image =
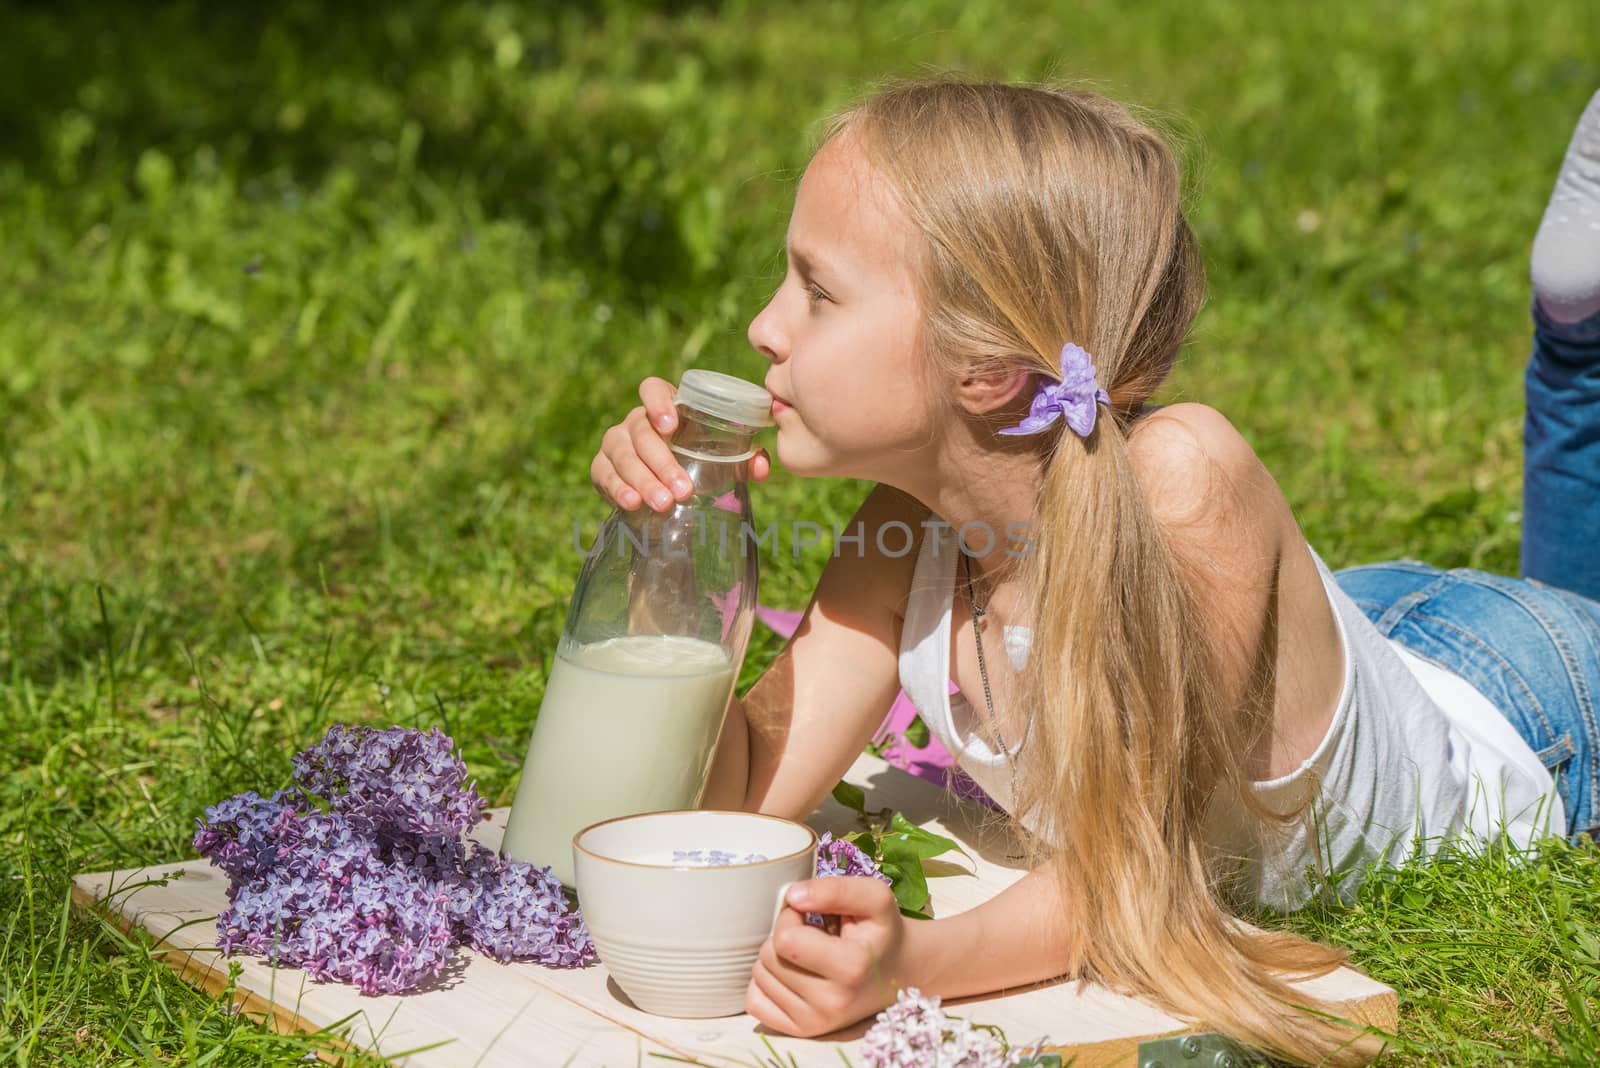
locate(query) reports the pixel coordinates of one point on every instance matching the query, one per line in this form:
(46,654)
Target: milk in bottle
(654,638)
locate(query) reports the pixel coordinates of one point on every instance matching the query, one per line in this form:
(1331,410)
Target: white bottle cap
(725,397)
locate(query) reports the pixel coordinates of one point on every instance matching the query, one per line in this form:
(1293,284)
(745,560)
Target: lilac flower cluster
(519,914)
(395,781)
(333,905)
(839,857)
(378,888)
(713,858)
(915,1033)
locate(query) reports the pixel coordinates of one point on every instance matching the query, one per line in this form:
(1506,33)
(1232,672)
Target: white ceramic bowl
(681,940)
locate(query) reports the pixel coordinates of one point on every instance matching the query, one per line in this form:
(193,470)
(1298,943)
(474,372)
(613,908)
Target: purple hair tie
(1075,397)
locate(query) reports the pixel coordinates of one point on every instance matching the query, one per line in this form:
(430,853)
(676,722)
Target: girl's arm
(805,720)
(807,982)
(1013,939)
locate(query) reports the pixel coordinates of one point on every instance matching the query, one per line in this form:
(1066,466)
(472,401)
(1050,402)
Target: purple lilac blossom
(836,857)
(362,893)
(398,780)
(444,861)
(332,906)
(244,834)
(915,1033)
(839,857)
(521,915)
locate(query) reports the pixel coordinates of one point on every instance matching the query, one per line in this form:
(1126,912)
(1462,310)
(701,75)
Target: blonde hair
(1053,215)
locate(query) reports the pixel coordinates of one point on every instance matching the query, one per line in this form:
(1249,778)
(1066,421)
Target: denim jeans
(1561,456)
(1533,650)
(1530,645)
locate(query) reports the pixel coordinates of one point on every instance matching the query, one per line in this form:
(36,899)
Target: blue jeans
(1530,645)
(1533,650)
(1561,456)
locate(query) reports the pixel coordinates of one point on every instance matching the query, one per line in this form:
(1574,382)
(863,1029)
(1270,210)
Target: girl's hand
(636,465)
(807,982)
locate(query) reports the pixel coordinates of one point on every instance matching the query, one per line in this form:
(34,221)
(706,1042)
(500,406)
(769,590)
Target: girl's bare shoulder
(1202,479)
(1255,578)
(872,563)
(891,568)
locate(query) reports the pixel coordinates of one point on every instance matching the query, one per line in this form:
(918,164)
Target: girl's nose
(765,335)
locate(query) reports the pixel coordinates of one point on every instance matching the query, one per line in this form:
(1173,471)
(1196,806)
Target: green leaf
(917,733)
(864,841)
(908,837)
(850,796)
(936,868)
(909,886)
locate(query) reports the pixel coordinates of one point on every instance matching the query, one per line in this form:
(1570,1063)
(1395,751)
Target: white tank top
(1414,753)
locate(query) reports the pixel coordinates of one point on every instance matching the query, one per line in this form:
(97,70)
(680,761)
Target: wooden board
(489,1014)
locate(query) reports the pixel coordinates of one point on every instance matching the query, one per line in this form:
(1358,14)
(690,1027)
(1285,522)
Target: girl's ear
(983,394)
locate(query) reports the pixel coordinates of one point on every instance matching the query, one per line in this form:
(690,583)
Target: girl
(986,283)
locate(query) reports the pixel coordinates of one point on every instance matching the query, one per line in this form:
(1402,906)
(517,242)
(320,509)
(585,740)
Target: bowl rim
(741,865)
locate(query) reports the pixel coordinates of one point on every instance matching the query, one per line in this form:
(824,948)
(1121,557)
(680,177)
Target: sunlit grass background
(311,316)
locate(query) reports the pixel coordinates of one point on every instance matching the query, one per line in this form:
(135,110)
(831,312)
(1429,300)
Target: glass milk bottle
(653,641)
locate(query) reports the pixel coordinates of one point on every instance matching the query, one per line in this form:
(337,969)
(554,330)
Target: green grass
(311,316)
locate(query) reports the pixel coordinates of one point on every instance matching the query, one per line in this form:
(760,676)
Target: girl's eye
(814,293)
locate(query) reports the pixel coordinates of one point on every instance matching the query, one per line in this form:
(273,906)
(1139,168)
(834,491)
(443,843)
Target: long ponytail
(1053,215)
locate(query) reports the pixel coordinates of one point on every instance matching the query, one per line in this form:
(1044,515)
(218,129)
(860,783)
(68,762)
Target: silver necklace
(977,614)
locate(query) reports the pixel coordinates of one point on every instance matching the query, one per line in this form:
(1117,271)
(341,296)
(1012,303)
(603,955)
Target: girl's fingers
(808,951)
(636,466)
(641,479)
(810,981)
(656,454)
(766,999)
(610,485)
(848,896)
(656,395)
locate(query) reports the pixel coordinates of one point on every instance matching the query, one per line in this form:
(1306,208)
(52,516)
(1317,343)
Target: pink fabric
(781,621)
(728,605)
(933,762)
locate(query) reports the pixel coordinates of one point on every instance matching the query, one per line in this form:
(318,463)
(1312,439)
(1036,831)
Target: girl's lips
(779,406)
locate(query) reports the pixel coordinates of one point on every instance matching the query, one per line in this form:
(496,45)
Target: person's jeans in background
(1531,646)
(1533,650)
(1561,456)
